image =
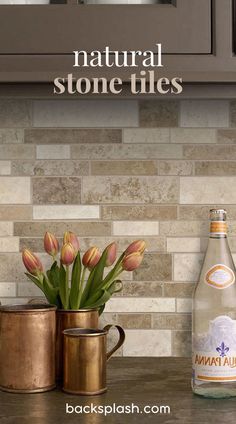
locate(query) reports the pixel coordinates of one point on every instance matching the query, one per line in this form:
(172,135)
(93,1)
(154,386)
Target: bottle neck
(218,229)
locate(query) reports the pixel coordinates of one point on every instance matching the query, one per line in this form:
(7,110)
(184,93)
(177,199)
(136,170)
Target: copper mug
(85,357)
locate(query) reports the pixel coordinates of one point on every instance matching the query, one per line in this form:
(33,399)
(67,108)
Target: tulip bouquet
(85,285)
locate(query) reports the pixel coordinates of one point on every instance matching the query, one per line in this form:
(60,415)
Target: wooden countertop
(141,381)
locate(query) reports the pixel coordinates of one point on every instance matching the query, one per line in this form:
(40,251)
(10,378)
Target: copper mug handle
(120,341)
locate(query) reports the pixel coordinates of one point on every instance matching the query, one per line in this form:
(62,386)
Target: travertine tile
(233,113)
(193,135)
(142,289)
(184,305)
(150,343)
(11,268)
(159,113)
(7,289)
(28,290)
(172,321)
(9,244)
(175,167)
(196,212)
(85,228)
(15,190)
(184,228)
(211,152)
(50,168)
(6,229)
(15,113)
(13,300)
(10,136)
(65,212)
(211,168)
(182,343)
(54,151)
(133,304)
(183,244)
(200,190)
(72,135)
(107,318)
(132,321)
(5,167)
(155,267)
(17,151)
(85,113)
(187,266)
(136,228)
(141,135)
(178,289)
(130,190)
(204,113)
(119,167)
(144,212)
(225,136)
(21,212)
(54,190)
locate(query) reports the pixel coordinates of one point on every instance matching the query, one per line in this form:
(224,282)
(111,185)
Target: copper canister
(27,348)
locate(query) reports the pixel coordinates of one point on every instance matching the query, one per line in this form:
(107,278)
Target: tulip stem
(67,288)
(81,284)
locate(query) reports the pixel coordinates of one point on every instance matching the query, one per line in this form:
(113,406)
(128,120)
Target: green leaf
(63,287)
(106,294)
(53,274)
(35,280)
(51,292)
(75,283)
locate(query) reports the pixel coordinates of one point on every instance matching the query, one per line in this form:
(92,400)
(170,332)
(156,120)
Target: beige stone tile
(183,244)
(172,321)
(130,190)
(5,167)
(29,290)
(142,288)
(187,266)
(7,289)
(13,300)
(204,113)
(184,305)
(17,151)
(178,289)
(21,212)
(11,268)
(107,318)
(184,228)
(53,190)
(159,113)
(155,267)
(65,212)
(200,190)
(141,135)
(119,167)
(148,212)
(9,244)
(132,321)
(233,113)
(193,135)
(226,136)
(150,343)
(85,228)
(181,343)
(209,152)
(15,113)
(72,135)
(211,168)
(9,136)
(175,167)
(85,113)
(136,228)
(196,212)
(144,304)
(50,167)
(15,190)
(6,229)
(54,151)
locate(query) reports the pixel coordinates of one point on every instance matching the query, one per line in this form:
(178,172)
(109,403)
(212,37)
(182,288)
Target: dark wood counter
(141,381)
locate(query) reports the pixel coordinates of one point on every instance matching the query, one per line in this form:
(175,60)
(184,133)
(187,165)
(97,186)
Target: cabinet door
(182,26)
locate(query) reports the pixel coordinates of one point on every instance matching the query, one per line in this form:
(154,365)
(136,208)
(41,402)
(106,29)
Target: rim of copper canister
(84,332)
(27,308)
(67,311)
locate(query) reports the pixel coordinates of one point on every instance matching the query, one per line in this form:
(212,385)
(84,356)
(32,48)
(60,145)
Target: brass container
(85,359)
(82,318)
(27,348)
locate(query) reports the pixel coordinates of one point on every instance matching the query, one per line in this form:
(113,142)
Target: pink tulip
(71,238)
(67,254)
(136,246)
(51,244)
(91,257)
(32,262)
(132,261)
(111,254)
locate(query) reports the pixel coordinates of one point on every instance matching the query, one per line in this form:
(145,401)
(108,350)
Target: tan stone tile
(37,229)
(226,136)
(7,289)
(11,268)
(52,212)
(72,135)
(144,304)
(204,113)
(17,151)
(10,136)
(107,318)
(132,321)
(181,343)
(175,167)
(183,244)
(54,151)
(5,167)
(118,167)
(199,212)
(9,244)
(211,152)
(15,190)
(159,113)
(136,228)
(184,305)
(211,168)
(6,229)
(193,135)
(233,113)
(150,343)
(187,266)
(184,228)
(178,289)
(139,212)
(15,113)
(50,168)
(140,135)
(155,267)
(172,321)
(17,213)
(29,290)
(142,288)
(53,190)
(202,190)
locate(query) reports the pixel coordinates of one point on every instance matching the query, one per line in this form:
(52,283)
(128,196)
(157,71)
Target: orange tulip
(132,261)
(67,254)
(111,253)
(71,238)
(32,262)
(51,244)
(136,246)
(91,257)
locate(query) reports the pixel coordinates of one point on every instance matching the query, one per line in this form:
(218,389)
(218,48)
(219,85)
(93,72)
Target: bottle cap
(218,214)
(218,221)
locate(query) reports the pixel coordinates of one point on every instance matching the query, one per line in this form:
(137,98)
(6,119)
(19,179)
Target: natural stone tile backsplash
(120,170)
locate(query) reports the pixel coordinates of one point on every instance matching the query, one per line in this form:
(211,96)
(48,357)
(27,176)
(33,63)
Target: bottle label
(220,276)
(214,352)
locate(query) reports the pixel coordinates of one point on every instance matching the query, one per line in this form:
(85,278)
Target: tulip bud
(111,253)
(32,262)
(67,254)
(91,257)
(132,261)
(51,244)
(71,238)
(136,246)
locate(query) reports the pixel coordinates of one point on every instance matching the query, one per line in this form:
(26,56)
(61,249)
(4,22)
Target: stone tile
(127,151)
(11,268)
(178,289)
(187,266)
(5,167)
(52,190)
(159,113)
(28,290)
(155,267)
(226,136)
(204,113)
(66,212)
(85,228)
(200,190)
(136,228)
(233,113)
(184,228)
(183,244)
(106,319)
(17,151)
(17,213)
(148,212)
(13,300)
(15,190)
(10,136)
(184,305)
(150,343)
(211,168)
(196,212)
(172,321)
(7,289)
(142,289)
(211,152)
(182,343)
(85,113)
(132,321)
(175,167)
(15,113)
(193,135)
(6,229)
(50,168)
(54,151)
(72,135)
(134,304)
(120,167)
(130,190)
(9,244)
(140,135)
